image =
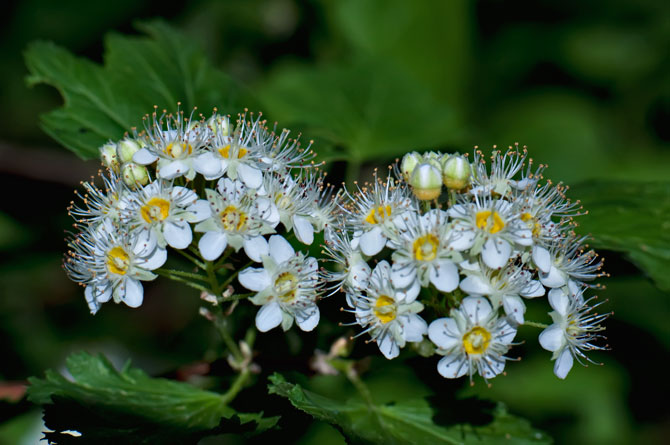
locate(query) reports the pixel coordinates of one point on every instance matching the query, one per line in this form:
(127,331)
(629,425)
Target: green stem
(535,324)
(184,274)
(192,259)
(237,386)
(181,280)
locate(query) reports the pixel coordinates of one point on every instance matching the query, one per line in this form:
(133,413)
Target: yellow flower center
(378,214)
(532,223)
(225,152)
(476,341)
(385,309)
(176,149)
(425,247)
(233,219)
(490,221)
(156,209)
(286,286)
(283,201)
(118,261)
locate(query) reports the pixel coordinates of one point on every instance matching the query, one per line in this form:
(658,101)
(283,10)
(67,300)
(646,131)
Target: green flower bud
(456,172)
(408,163)
(426,182)
(134,175)
(126,149)
(109,156)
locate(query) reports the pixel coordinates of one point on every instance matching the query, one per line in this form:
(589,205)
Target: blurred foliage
(585,85)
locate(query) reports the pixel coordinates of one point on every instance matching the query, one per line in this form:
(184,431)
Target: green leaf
(366,107)
(403,422)
(104,102)
(100,400)
(630,217)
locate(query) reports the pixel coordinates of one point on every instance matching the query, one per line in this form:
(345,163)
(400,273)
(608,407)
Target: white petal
(201,211)
(252,177)
(505,332)
(563,364)
(208,165)
(359,275)
(402,274)
(541,258)
(254,279)
(444,333)
(552,338)
(133,294)
(523,237)
(559,300)
(533,289)
(388,346)
(372,241)
(475,285)
(153,261)
(462,239)
(493,367)
(268,211)
(444,275)
(303,230)
(409,295)
(173,170)
(256,248)
(145,243)
(178,234)
(183,196)
(495,253)
(555,278)
(476,308)
(309,323)
(452,366)
(514,308)
(144,157)
(269,316)
(212,245)
(280,249)
(414,327)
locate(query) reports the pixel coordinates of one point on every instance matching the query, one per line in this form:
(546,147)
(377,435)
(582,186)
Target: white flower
(504,168)
(351,272)
(174,144)
(569,261)
(111,261)
(285,153)
(235,155)
(372,212)
(574,330)
(490,226)
(423,254)
(388,314)
(287,288)
(291,204)
(237,219)
(100,204)
(504,287)
(473,340)
(167,210)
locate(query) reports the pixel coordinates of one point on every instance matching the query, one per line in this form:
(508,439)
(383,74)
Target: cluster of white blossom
(468,245)
(210,187)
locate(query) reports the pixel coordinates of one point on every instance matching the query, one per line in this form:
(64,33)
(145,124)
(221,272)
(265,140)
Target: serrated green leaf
(101,399)
(366,108)
(403,422)
(630,217)
(104,102)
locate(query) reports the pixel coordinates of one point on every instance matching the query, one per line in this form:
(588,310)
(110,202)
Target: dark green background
(584,84)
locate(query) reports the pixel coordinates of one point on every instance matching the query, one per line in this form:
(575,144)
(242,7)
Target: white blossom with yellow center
(168,211)
(422,253)
(388,314)
(287,288)
(239,218)
(111,262)
(488,226)
(473,340)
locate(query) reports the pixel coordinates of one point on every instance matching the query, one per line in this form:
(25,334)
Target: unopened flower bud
(109,156)
(134,174)
(426,182)
(434,159)
(127,148)
(408,163)
(219,125)
(456,172)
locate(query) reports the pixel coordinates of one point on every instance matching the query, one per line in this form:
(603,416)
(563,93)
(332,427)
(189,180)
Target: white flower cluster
(213,188)
(468,246)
